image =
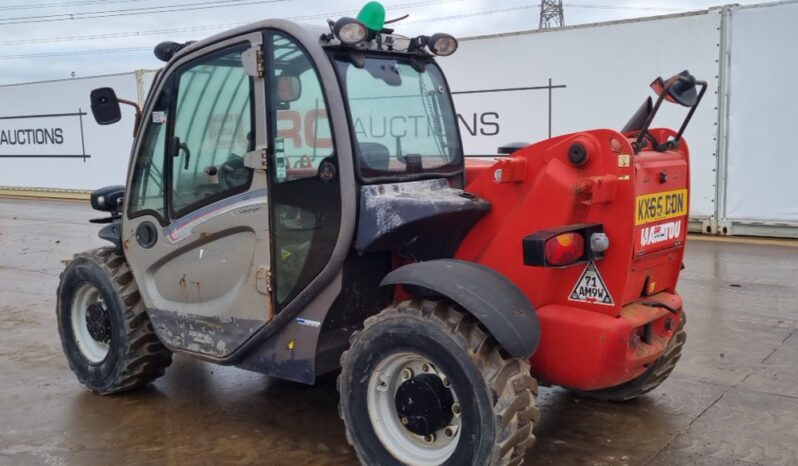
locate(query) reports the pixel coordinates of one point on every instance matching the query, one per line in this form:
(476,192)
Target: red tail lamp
(565,249)
(564,246)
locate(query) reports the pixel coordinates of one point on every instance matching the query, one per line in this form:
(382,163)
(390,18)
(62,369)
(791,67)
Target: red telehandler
(298,203)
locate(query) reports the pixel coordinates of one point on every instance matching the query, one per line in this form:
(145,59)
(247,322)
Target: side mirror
(105,106)
(289,89)
(680,89)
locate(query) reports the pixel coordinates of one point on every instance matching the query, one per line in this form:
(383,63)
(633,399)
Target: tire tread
(513,388)
(145,357)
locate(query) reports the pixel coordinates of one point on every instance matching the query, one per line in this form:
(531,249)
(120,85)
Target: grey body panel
(207,335)
(424,219)
(487,295)
(290,353)
(113,233)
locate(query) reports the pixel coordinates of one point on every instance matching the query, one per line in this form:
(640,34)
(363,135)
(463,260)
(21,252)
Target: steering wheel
(233,173)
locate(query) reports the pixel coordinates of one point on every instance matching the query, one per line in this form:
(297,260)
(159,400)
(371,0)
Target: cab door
(196,233)
(305,186)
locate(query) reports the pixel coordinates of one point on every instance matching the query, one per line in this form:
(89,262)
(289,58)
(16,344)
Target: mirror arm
(640,142)
(703,85)
(674,143)
(138,114)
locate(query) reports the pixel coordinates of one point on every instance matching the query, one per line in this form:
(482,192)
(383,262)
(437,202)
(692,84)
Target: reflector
(565,249)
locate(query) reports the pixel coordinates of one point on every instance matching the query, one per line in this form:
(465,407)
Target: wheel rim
(428,439)
(90,323)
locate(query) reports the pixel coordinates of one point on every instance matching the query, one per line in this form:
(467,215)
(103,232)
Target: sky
(52,39)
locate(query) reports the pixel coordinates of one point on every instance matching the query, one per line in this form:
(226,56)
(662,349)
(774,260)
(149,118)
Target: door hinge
(260,61)
(257,159)
(254,61)
(263,280)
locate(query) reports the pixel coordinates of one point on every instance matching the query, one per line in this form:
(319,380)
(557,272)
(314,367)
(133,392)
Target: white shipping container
(760,161)
(588,77)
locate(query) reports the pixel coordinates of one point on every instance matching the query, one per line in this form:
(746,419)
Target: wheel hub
(98,323)
(91,323)
(424,404)
(414,409)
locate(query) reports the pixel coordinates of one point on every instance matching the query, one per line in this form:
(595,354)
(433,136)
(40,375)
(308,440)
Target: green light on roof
(372,16)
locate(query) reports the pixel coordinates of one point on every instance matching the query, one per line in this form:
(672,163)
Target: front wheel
(106,335)
(424,384)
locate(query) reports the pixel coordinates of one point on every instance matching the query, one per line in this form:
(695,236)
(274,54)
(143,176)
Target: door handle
(177,147)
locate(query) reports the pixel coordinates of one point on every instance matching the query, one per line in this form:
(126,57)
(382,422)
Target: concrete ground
(733,398)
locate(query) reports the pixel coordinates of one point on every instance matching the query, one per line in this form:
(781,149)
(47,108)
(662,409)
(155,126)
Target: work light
(397,42)
(442,44)
(349,31)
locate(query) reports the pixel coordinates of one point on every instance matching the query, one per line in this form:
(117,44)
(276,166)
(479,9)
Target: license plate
(660,206)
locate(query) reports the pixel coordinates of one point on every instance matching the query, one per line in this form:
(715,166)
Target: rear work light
(564,246)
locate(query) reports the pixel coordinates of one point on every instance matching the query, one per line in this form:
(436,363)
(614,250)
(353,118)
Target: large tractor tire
(105,332)
(424,384)
(651,378)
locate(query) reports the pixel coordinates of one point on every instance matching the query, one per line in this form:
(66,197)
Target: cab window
(213,130)
(303,129)
(147,187)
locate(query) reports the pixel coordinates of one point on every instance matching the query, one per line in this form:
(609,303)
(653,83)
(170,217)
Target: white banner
(48,137)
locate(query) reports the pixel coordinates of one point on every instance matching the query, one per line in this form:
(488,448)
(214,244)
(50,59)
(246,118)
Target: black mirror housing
(679,89)
(105,106)
(108,199)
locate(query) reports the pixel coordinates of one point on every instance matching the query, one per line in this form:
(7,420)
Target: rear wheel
(651,378)
(105,332)
(424,384)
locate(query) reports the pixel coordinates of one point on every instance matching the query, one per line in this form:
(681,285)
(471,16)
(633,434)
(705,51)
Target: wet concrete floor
(733,398)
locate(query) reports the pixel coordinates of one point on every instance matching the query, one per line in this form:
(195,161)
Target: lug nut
(405,421)
(429,438)
(446,382)
(407,374)
(425,367)
(449,431)
(456,409)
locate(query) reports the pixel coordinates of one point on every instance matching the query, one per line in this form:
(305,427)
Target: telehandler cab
(298,203)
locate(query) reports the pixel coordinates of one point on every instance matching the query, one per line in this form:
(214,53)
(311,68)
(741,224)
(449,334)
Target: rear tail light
(565,249)
(564,246)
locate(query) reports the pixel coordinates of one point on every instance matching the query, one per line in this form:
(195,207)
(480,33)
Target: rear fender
(492,299)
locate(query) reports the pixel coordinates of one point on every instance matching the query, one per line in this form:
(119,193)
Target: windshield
(403,120)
